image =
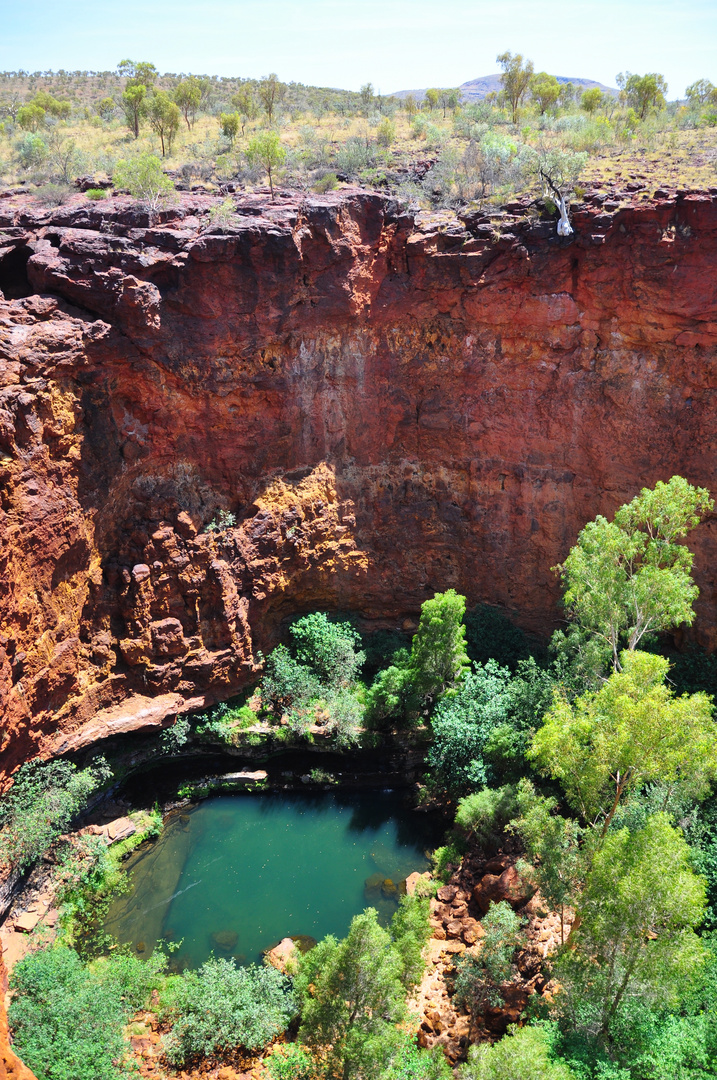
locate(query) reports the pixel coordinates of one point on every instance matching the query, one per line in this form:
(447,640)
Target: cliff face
(387,406)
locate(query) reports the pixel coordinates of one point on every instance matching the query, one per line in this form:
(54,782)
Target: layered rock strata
(371,405)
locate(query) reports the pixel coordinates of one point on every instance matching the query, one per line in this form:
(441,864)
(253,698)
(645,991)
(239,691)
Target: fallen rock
(225,939)
(413,881)
(120,829)
(27,921)
(281,956)
(510,886)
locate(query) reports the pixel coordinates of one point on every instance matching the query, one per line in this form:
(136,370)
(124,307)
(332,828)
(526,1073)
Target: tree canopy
(632,730)
(631,577)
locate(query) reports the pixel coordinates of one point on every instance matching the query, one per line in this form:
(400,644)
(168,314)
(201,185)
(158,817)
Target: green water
(239,872)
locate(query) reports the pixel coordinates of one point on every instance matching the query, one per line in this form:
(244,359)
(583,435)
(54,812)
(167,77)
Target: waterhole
(237,873)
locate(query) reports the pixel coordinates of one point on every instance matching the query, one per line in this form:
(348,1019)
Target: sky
(394,44)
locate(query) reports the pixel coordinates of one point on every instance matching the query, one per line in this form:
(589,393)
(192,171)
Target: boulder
(510,886)
(282,955)
(27,921)
(413,881)
(225,939)
(120,829)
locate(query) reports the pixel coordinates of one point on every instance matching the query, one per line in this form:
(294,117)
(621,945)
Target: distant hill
(476,89)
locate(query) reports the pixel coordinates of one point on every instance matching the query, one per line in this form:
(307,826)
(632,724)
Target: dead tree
(564,226)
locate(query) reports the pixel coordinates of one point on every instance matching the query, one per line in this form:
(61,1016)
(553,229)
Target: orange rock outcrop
(387,405)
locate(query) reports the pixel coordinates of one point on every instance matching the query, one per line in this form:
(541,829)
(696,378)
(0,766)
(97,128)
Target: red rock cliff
(388,406)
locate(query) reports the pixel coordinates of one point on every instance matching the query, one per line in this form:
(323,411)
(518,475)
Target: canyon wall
(387,404)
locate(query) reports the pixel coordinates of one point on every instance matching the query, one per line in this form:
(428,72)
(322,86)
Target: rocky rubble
(456,931)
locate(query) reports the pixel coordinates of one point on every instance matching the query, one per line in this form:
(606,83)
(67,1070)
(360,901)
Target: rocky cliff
(386,404)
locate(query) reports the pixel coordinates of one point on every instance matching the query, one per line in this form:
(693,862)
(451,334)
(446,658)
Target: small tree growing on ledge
(558,171)
(265,149)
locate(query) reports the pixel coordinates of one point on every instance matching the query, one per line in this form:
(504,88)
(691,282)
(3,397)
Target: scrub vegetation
(150,133)
(595,755)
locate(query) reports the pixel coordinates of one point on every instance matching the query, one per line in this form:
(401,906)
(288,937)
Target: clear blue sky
(395,44)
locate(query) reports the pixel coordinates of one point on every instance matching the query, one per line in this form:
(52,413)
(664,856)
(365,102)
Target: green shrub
(462,725)
(291,1062)
(524,1054)
(386,132)
(96,193)
(221,215)
(31,150)
(345,716)
(175,737)
(40,806)
(222,1006)
(410,930)
(480,978)
(330,649)
(286,683)
(407,1062)
(328,182)
(355,154)
(144,179)
(351,997)
(53,194)
(393,699)
(445,860)
(484,814)
(67,1019)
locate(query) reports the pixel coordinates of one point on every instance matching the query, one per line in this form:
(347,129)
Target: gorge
(384,403)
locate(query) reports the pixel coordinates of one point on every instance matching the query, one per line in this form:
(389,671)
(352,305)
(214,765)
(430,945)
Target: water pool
(237,873)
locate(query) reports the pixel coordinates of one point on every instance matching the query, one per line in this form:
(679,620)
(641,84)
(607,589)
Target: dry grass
(662,153)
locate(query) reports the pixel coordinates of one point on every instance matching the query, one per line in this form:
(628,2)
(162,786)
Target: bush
(224,722)
(53,194)
(462,725)
(222,1006)
(67,1019)
(96,194)
(445,860)
(351,997)
(407,1062)
(175,737)
(479,979)
(291,1062)
(31,150)
(222,215)
(40,806)
(385,132)
(411,930)
(328,182)
(524,1054)
(355,154)
(329,649)
(485,814)
(286,684)
(144,179)
(393,699)
(345,716)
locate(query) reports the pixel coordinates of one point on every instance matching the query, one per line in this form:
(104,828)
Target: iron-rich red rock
(387,407)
